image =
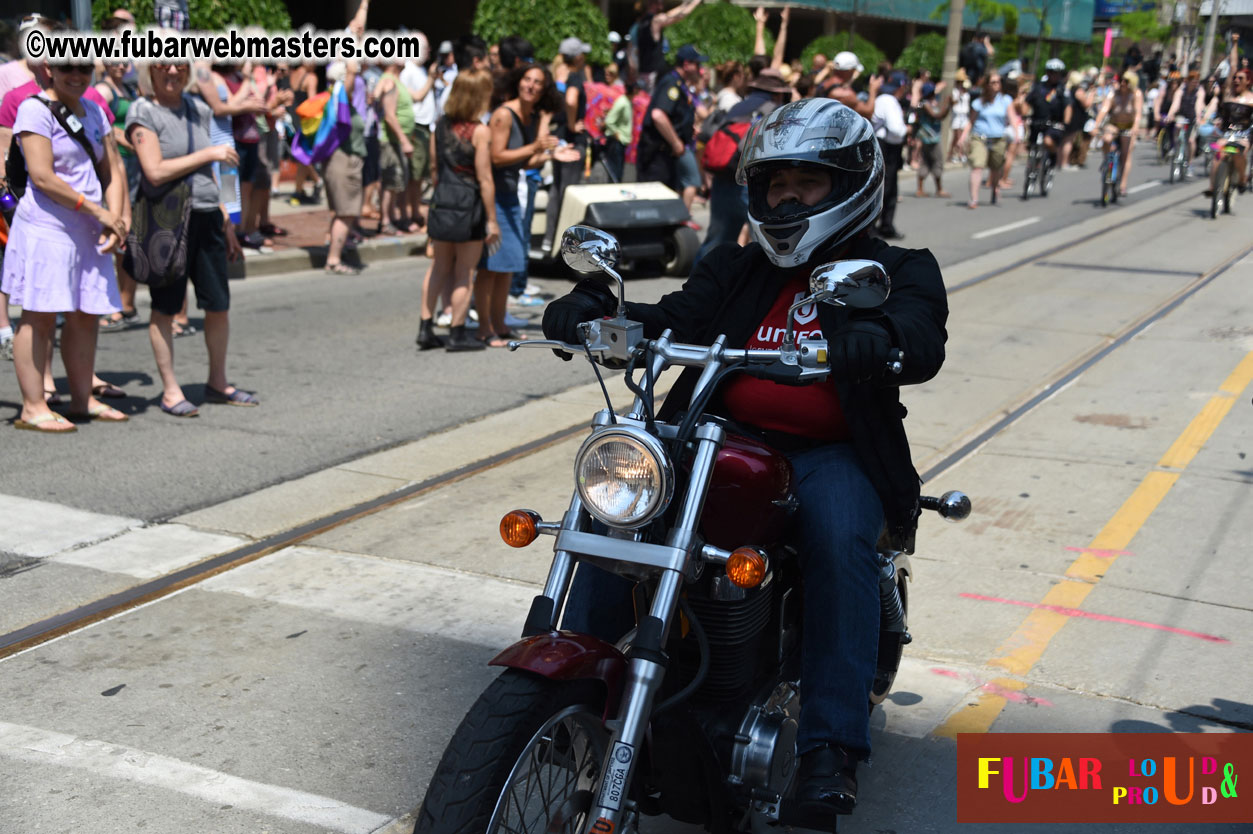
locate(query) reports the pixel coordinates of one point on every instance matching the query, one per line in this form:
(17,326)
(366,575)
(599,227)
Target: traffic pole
(952,45)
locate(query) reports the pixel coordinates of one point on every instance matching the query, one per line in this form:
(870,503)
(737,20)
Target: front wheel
(1028,177)
(1046,176)
(1222,189)
(525,760)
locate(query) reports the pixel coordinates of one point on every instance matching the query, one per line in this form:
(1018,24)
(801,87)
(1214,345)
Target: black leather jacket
(733,288)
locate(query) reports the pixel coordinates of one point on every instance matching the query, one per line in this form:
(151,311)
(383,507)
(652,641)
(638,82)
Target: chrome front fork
(648,663)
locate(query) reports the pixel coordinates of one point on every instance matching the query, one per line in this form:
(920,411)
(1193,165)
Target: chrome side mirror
(857,283)
(589,250)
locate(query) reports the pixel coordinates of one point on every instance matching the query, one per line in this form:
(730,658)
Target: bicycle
(1039,173)
(1111,169)
(1166,143)
(1224,195)
(1179,156)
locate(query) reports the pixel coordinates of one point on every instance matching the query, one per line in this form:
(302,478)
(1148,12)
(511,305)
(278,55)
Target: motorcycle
(693,713)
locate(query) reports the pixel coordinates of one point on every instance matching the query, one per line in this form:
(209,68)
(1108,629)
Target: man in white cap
(841,71)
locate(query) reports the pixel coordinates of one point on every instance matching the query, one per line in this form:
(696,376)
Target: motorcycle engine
(763,754)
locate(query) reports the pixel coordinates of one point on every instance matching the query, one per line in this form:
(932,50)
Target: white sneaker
(533,288)
(444,319)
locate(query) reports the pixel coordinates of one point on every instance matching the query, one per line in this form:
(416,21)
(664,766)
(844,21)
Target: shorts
(987,153)
(420,159)
(1052,133)
(393,168)
(206,268)
(344,185)
(689,171)
(249,160)
(930,160)
(268,159)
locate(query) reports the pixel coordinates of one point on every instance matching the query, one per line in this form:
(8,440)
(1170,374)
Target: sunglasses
(85,69)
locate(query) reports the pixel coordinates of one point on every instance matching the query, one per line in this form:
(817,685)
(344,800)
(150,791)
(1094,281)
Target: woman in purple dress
(59,256)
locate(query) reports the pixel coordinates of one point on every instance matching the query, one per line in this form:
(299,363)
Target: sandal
(255,240)
(272,230)
(236,397)
(182,408)
(388,230)
(52,397)
(108,324)
(35,424)
(341,268)
(106,391)
(183,329)
(99,413)
(493,341)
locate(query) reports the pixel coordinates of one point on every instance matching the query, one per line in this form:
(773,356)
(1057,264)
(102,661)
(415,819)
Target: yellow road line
(1025,646)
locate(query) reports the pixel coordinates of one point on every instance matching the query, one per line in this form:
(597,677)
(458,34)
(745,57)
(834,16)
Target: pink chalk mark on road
(1105,618)
(1100,553)
(993,688)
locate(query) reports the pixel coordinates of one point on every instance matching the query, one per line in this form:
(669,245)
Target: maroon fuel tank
(749,495)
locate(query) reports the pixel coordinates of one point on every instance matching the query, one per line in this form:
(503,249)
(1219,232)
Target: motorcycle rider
(814,174)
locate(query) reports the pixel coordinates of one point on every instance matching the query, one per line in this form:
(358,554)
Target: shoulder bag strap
(75,129)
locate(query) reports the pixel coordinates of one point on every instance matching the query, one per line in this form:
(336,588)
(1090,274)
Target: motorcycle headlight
(624,477)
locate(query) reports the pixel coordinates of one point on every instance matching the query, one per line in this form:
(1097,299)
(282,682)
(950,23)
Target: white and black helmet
(824,133)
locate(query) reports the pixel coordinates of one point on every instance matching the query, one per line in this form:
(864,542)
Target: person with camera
(810,202)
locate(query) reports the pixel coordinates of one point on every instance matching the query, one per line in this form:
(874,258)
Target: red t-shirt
(13,98)
(806,410)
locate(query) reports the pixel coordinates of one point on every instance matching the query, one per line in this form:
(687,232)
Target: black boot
(426,336)
(458,340)
(827,781)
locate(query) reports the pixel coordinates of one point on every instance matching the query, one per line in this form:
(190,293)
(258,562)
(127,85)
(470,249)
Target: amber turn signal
(746,567)
(519,528)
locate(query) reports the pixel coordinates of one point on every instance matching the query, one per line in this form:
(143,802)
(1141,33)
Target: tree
(213,15)
(986,13)
(867,53)
(923,52)
(1040,10)
(546,23)
(720,30)
(1143,26)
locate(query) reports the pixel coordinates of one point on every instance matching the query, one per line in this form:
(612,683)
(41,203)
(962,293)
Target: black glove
(859,351)
(590,299)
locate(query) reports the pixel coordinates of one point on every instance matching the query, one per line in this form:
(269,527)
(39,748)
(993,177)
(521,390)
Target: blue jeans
(728,212)
(836,529)
(517,285)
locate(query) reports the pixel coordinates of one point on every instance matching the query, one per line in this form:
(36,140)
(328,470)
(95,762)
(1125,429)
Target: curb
(296,259)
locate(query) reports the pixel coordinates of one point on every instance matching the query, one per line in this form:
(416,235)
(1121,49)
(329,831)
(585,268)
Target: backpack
(722,149)
(15,165)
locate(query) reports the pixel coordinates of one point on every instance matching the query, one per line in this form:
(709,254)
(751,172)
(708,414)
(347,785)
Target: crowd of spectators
(458,145)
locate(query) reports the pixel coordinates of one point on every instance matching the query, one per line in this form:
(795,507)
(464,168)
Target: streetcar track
(145,593)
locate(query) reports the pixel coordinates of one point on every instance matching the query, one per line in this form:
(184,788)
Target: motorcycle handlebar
(677,353)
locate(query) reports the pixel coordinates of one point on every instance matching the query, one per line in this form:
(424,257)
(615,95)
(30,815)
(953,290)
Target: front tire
(523,732)
(1222,185)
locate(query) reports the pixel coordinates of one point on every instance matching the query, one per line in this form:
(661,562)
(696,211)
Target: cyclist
(1236,114)
(1078,101)
(1125,110)
(1047,101)
(1189,103)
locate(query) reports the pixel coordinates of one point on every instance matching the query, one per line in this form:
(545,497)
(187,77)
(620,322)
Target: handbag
(456,206)
(156,245)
